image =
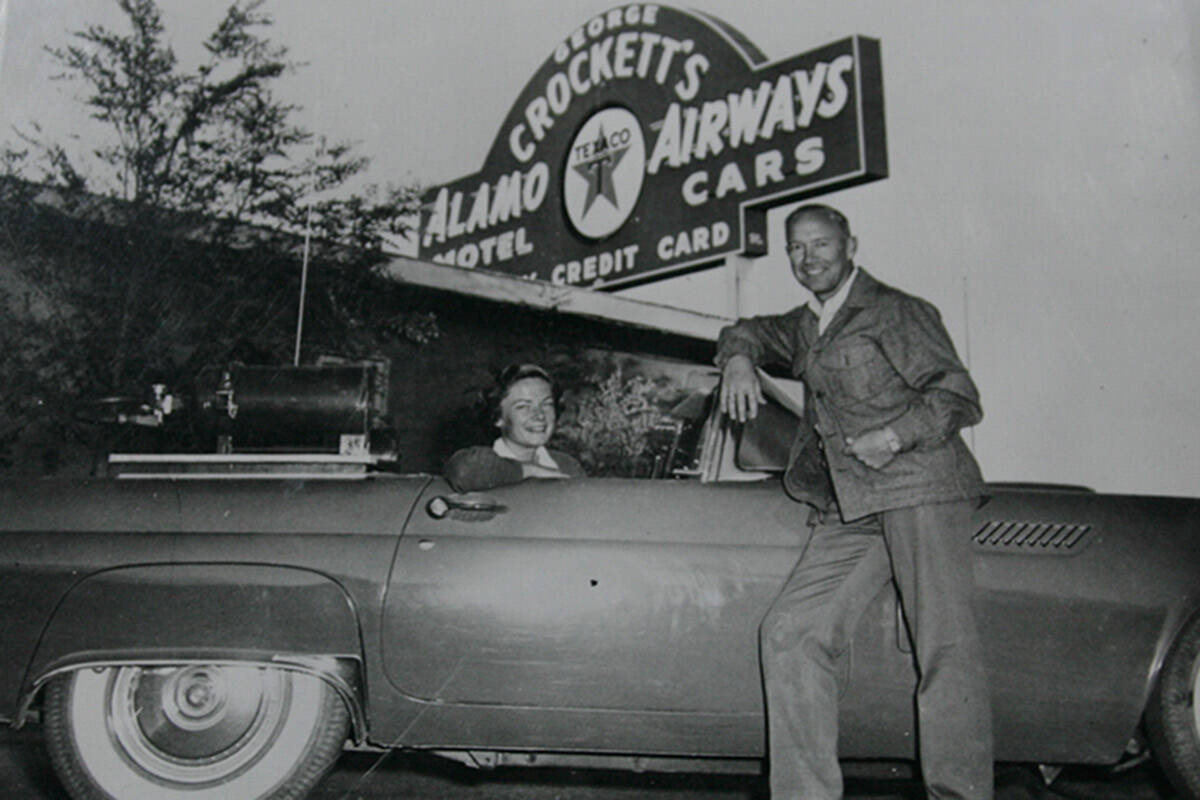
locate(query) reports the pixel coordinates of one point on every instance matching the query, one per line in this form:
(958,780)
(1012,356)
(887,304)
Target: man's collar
(864,290)
(837,298)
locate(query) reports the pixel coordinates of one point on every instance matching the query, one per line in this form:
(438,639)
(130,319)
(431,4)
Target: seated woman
(524,411)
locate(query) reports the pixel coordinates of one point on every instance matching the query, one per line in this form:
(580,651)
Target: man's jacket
(884,360)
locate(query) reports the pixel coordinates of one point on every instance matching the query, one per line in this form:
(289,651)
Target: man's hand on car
(741,392)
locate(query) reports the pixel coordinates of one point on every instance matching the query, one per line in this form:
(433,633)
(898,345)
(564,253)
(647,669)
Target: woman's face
(527,413)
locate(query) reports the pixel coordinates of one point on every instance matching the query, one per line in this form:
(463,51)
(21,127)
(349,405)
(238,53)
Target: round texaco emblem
(605,167)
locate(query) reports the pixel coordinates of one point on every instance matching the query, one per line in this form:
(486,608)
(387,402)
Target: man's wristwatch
(893,441)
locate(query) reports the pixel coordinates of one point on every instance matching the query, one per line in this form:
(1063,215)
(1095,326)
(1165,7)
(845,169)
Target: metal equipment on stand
(325,420)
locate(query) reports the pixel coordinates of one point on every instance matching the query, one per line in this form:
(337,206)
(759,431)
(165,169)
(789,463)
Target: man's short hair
(821,211)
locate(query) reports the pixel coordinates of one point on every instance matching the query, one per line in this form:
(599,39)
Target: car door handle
(467,508)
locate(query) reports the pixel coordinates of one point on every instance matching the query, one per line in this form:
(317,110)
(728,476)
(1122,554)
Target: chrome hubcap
(196,724)
(194,698)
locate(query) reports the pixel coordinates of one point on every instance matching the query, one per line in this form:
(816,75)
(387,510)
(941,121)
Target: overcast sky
(422,86)
(1044,186)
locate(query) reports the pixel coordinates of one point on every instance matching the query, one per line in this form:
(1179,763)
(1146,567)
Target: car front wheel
(1174,713)
(195,731)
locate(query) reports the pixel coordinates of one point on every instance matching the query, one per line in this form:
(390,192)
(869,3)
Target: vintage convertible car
(206,634)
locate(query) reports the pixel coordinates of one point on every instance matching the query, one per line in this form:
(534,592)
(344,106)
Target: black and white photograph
(557,400)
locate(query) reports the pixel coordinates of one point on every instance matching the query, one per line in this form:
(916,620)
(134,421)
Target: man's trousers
(927,551)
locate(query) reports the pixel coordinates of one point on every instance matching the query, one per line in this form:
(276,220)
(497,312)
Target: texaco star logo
(606,165)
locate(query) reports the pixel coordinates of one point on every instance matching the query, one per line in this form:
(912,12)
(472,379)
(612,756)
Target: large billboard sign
(652,141)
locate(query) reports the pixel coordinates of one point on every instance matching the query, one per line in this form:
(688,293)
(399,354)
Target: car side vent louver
(1032,538)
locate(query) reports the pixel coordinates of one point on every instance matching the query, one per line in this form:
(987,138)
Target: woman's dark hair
(505,380)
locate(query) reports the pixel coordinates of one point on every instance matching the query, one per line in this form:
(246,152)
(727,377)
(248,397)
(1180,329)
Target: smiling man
(879,457)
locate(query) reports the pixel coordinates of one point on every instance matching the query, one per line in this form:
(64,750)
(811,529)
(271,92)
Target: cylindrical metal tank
(285,408)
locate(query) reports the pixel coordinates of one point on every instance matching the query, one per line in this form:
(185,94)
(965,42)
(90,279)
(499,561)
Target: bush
(610,421)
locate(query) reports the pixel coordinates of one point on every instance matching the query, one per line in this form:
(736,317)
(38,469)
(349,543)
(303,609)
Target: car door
(597,594)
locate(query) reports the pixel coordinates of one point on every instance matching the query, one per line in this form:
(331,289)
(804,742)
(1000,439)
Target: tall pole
(303,286)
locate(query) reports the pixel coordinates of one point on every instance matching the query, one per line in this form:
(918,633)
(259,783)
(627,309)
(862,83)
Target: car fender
(160,614)
(1172,627)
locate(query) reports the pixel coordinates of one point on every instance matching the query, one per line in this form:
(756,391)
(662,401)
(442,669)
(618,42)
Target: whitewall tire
(1173,715)
(192,732)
